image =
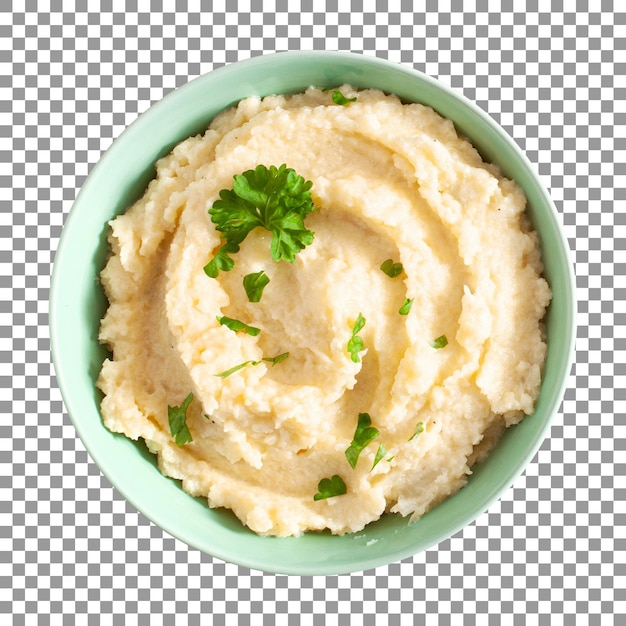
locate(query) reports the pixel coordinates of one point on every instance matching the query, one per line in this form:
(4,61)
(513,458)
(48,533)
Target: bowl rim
(187,91)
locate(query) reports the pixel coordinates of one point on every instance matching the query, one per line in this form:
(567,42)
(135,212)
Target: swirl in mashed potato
(391,181)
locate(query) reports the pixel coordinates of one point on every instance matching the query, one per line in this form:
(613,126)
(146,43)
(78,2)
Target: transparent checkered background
(75,74)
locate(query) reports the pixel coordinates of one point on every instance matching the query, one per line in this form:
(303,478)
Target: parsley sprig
(274,198)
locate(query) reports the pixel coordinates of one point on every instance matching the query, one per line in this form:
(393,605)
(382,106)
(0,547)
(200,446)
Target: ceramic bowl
(78,303)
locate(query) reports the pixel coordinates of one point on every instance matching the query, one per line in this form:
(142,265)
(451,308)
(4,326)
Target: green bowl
(78,303)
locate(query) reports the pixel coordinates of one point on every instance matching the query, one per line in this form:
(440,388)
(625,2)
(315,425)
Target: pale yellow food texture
(391,181)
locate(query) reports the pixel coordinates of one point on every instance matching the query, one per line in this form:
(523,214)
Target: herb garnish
(330,487)
(254,284)
(380,453)
(440,342)
(419,429)
(276,199)
(340,99)
(406,307)
(177,417)
(391,269)
(355,344)
(363,436)
(236,325)
(268,359)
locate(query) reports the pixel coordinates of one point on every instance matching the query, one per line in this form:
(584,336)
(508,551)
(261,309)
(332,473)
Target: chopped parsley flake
(340,99)
(177,417)
(330,487)
(391,269)
(440,342)
(380,453)
(236,325)
(254,284)
(419,429)
(406,307)
(355,344)
(363,436)
(273,360)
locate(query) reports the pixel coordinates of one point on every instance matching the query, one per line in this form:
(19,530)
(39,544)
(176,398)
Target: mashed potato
(390,181)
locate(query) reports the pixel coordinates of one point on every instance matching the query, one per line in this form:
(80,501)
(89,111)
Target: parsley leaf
(276,199)
(391,269)
(236,325)
(340,99)
(406,307)
(440,342)
(221,261)
(363,436)
(355,343)
(177,417)
(254,284)
(330,487)
(380,453)
(269,359)
(419,429)
(274,359)
(236,368)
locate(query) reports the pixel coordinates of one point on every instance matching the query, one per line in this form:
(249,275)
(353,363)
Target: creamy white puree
(391,180)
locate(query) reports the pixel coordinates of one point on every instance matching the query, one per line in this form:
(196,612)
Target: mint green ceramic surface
(77,304)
